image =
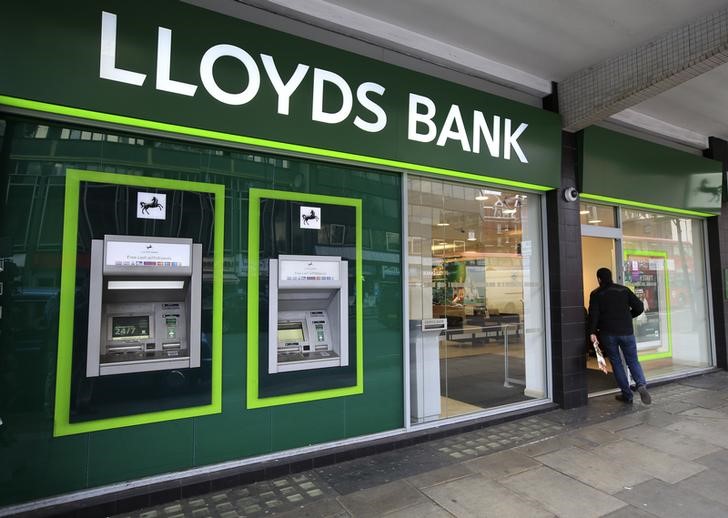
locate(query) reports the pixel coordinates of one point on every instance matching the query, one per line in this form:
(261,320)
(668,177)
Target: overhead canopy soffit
(606,58)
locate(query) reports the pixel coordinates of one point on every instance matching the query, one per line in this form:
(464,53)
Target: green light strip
(253,396)
(663,255)
(264,143)
(61,423)
(641,205)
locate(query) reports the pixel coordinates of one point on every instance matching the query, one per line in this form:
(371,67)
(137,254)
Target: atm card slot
(289,349)
(172,345)
(124,348)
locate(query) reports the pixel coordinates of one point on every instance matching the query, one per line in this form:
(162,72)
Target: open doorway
(597,252)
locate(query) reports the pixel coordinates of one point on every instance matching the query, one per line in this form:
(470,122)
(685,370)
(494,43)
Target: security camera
(571,194)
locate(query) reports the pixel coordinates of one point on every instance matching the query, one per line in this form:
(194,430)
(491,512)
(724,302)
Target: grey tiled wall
(718,257)
(568,346)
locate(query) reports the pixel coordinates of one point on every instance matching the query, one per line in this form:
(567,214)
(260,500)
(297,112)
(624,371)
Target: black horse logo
(154,204)
(714,191)
(308,217)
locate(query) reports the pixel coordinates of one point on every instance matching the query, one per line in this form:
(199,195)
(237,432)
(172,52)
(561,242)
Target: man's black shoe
(644,395)
(620,397)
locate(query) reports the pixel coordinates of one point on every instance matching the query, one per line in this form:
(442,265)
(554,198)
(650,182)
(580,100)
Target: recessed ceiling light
(483,194)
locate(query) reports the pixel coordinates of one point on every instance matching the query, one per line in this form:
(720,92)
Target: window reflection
(664,262)
(599,215)
(475,262)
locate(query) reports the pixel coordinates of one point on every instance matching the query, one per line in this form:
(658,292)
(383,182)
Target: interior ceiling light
(583,212)
(483,194)
(471,235)
(445,246)
(443,224)
(593,218)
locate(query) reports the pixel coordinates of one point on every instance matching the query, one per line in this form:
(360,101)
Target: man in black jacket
(611,310)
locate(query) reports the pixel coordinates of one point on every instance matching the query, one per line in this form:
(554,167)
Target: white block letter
(454,118)
(492,138)
(164,59)
(284,90)
(318,114)
(208,80)
(510,140)
(107,66)
(361,96)
(425,118)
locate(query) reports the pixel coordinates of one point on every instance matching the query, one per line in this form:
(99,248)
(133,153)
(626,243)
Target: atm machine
(144,305)
(308,313)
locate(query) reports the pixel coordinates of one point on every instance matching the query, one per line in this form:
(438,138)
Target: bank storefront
(221,243)
(224,245)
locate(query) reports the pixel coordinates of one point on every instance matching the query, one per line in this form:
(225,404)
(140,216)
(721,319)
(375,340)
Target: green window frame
(663,255)
(253,398)
(61,423)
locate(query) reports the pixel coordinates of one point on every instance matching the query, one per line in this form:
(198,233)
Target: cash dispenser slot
(308,312)
(144,305)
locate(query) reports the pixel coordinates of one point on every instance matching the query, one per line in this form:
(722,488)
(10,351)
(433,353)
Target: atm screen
(130,328)
(290,331)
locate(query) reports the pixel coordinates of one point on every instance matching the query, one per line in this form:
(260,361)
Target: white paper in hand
(601,362)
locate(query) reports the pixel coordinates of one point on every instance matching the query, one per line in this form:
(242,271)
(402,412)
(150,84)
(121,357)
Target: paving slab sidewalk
(606,459)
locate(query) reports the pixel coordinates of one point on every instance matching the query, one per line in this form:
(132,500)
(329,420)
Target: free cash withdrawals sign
(172,63)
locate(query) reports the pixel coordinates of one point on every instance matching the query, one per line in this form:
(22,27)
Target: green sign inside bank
(171,66)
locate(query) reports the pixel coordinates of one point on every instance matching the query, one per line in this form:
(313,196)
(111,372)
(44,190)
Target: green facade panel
(126,453)
(462,132)
(617,168)
(35,160)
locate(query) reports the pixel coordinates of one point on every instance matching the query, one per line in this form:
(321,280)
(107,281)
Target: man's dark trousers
(612,344)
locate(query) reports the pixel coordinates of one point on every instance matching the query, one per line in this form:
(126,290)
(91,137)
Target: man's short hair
(604,275)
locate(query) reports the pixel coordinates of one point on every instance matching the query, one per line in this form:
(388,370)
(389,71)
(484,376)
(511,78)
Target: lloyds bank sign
(172,66)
